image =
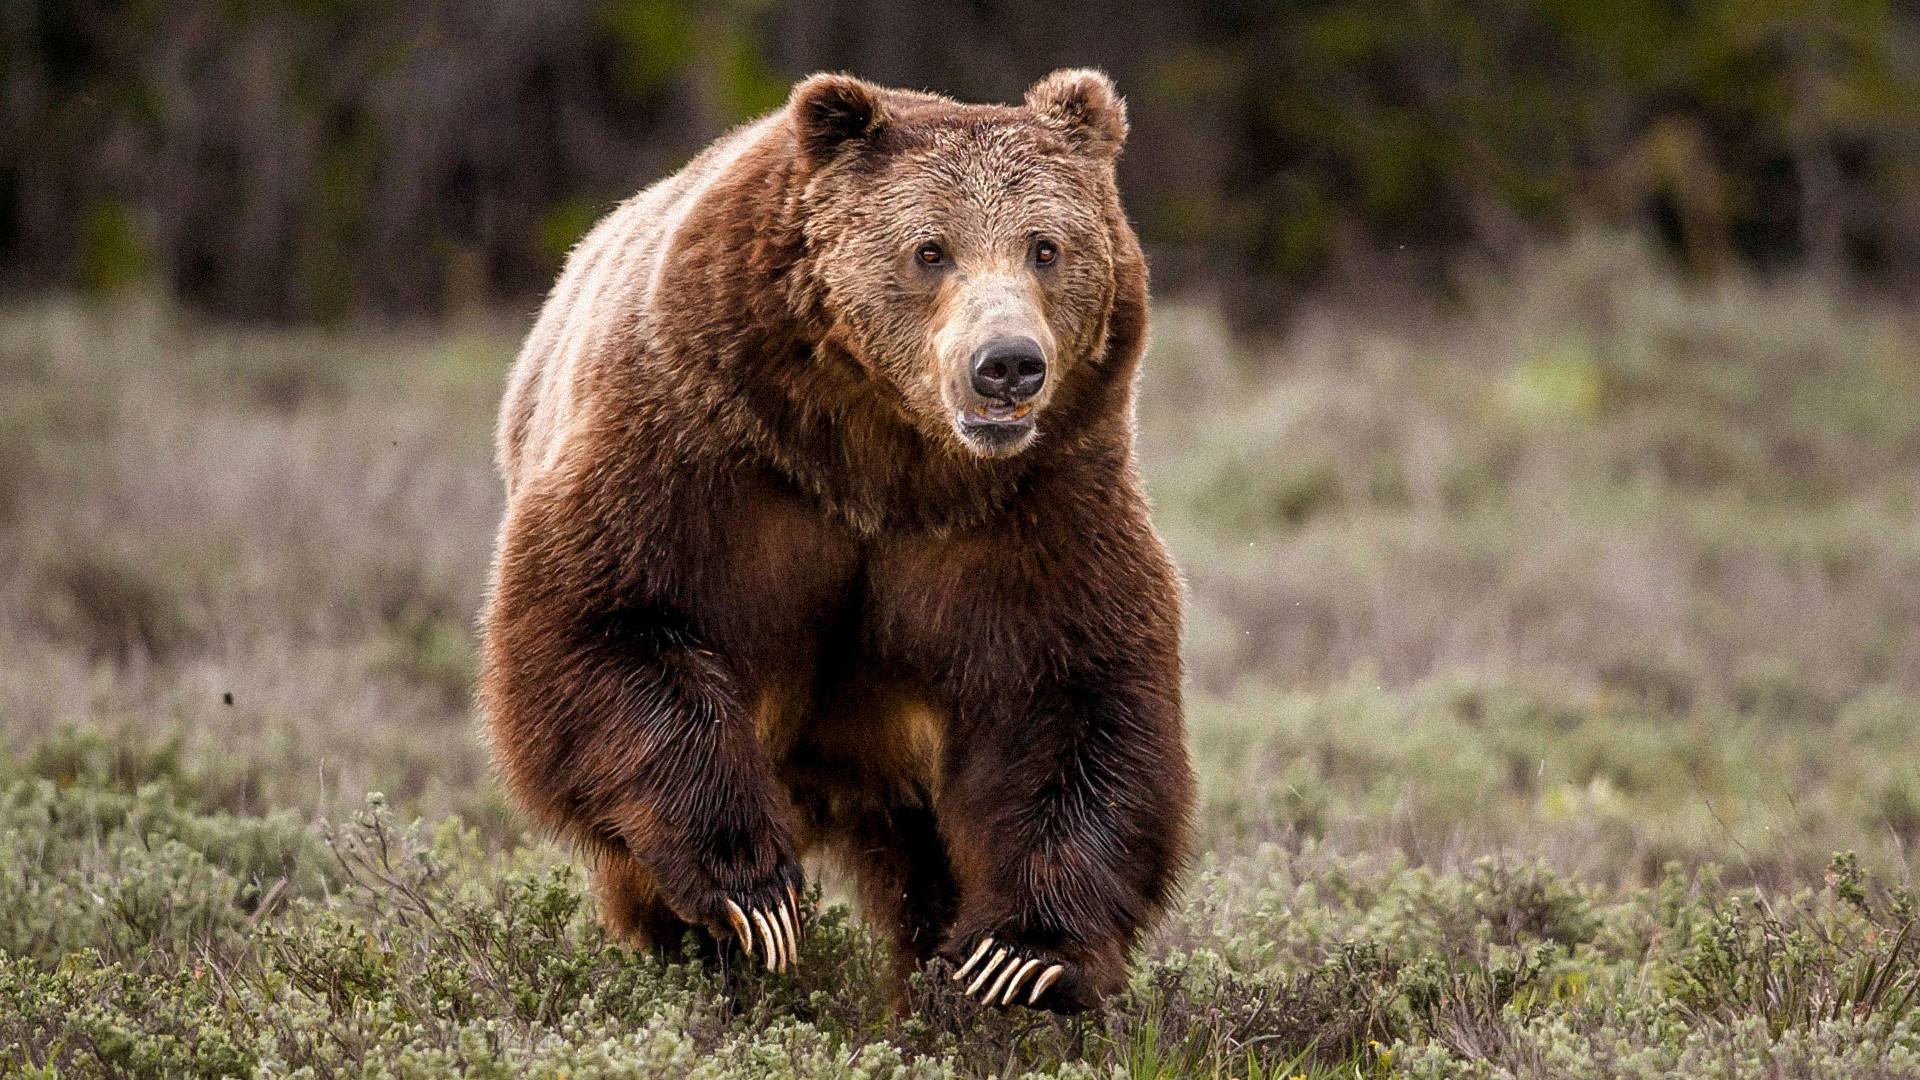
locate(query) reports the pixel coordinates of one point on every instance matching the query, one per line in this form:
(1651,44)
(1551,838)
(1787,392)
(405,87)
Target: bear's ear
(832,111)
(1082,104)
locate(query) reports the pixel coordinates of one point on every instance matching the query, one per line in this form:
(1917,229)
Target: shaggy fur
(759,593)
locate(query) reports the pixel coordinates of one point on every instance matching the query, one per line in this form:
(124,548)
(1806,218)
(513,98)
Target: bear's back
(601,308)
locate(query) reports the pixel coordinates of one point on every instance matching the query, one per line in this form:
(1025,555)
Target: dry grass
(274,543)
(1595,478)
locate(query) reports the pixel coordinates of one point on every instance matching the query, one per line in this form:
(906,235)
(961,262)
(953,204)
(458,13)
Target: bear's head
(966,255)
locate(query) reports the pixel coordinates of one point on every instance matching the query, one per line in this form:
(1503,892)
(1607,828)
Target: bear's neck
(814,418)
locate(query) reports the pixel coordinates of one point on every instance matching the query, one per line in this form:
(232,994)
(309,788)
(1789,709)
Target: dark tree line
(319,158)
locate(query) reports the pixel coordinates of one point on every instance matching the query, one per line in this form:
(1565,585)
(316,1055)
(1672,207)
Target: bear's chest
(797,592)
(771,569)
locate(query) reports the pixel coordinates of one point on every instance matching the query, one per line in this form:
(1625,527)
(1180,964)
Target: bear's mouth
(996,428)
(997,413)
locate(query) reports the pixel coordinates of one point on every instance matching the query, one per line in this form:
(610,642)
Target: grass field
(1555,681)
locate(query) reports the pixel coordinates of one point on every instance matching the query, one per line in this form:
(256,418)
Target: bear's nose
(1009,369)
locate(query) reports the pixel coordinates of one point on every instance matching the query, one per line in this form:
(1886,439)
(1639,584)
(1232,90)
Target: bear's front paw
(768,922)
(998,972)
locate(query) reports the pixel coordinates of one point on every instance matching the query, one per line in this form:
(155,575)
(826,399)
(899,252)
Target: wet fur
(751,602)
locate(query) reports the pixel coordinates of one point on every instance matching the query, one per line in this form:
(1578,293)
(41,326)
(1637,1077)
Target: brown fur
(756,592)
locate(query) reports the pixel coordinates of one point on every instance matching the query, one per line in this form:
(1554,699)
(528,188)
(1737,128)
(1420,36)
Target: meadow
(1554,659)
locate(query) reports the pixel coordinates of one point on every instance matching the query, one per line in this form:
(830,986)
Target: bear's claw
(741,928)
(1012,975)
(779,932)
(1019,974)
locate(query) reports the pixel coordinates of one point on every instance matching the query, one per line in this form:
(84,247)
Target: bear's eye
(1044,253)
(931,255)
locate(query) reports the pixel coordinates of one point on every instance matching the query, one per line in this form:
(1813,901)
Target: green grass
(1554,681)
(153,930)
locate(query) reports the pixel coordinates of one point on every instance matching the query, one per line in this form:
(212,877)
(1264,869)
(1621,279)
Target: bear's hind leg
(906,885)
(631,908)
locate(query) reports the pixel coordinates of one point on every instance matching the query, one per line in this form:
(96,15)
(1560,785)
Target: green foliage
(1851,960)
(658,37)
(1415,122)
(1565,384)
(113,251)
(713,44)
(563,226)
(141,945)
(113,849)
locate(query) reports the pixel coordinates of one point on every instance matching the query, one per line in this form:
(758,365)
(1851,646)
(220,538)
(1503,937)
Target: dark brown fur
(754,599)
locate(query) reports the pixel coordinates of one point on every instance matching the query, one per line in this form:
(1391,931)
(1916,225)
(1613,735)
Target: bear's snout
(997,360)
(1006,375)
(1009,370)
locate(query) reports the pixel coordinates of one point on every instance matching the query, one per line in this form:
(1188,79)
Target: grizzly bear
(824,536)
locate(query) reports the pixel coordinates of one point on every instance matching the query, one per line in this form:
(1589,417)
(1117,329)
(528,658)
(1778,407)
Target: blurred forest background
(306,159)
(1533,407)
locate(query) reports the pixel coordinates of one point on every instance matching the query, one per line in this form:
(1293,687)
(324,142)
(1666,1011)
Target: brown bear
(824,536)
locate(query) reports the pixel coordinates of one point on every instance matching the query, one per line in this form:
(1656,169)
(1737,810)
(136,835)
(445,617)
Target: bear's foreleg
(617,725)
(1068,824)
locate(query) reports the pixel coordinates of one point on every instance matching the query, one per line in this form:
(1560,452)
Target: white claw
(1018,976)
(795,898)
(1046,979)
(739,920)
(767,939)
(985,944)
(992,962)
(1006,973)
(793,935)
(780,935)
(777,917)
